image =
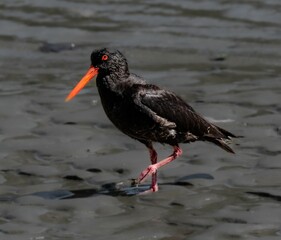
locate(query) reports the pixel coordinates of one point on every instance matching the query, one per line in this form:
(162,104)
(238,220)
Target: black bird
(146,112)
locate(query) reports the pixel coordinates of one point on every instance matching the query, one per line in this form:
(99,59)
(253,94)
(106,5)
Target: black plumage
(148,113)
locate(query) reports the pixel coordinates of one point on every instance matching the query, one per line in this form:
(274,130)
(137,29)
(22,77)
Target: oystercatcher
(146,112)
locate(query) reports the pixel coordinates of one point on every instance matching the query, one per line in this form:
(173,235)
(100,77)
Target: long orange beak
(87,77)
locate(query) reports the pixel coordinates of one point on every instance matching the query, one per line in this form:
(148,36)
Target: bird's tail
(227,134)
(219,142)
(221,138)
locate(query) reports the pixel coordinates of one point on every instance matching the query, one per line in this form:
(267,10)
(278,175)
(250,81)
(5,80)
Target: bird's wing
(170,108)
(144,97)
(167,107)
(171,112)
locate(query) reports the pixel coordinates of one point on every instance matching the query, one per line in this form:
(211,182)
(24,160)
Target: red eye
(104,57)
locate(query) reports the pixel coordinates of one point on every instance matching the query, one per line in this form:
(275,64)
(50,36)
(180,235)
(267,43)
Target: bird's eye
(104,57)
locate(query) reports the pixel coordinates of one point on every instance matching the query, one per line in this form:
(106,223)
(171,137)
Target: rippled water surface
(63,163)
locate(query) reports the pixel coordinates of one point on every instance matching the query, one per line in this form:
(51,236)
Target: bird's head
(103,62)
(109,61)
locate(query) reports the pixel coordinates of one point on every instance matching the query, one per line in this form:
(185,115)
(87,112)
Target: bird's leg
(153,159)
(152,169)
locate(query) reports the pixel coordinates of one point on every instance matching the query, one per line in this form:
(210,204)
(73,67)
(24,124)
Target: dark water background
(223,57)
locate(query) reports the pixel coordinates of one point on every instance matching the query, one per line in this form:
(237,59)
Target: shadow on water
(117,189)
(127,188)
(130,189)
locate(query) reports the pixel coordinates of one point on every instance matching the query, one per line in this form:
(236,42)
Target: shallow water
(62,164)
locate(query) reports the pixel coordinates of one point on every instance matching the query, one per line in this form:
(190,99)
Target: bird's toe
(147,172)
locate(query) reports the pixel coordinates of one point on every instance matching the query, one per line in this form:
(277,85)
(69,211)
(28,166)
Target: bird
(146,112)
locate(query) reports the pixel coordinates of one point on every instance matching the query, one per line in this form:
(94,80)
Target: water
(62,164)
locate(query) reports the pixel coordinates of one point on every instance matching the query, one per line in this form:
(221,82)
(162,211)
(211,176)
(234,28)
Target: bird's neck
(118,76)
(111,80)
(116,71)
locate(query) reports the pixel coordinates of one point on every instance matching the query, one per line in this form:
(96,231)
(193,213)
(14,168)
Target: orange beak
(87,77)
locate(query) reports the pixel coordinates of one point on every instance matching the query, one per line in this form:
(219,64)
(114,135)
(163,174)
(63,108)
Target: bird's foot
(147,172)
(153,188)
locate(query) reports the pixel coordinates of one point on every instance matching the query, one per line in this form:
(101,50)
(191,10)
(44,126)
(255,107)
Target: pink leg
(152,169)
(153,159)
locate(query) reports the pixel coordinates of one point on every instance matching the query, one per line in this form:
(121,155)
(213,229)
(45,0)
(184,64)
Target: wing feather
(173,108)
(169,106)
